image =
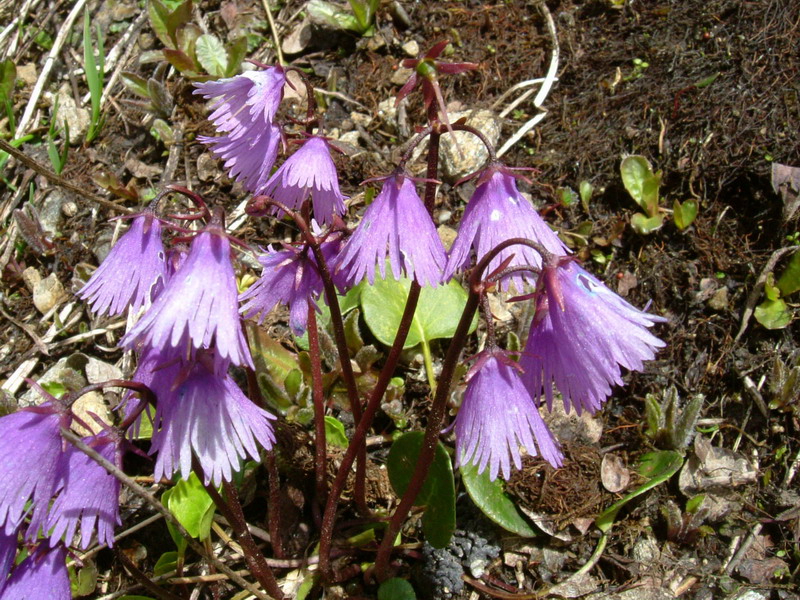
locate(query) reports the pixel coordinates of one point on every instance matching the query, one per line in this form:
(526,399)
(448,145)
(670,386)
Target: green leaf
(211,55)
(346,303)
(490,497)
(158,14)
(190,503)
(706,81)
(640,181)
(437,315)
(789,282)
(54,388)
(94,75)
(657,467)
(773,314)
(437,495)
(586,190)
(8,78)
(334,432)
(166,563)
(684,214)
(274,364)
(396,589)
(332,15)
(84,581)
(644,225)
(179,60)
(236,52)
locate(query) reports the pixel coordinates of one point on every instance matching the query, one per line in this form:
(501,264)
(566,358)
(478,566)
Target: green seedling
(668,425)
(57,158)
(643,185)
(585,189)
(360,21)
(784,386)
(773,313)
(639,67)
(94,72)
(194,53)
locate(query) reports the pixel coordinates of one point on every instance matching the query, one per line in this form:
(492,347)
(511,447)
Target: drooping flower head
(290,277)
(198,309)
(8,550)
(203,413)
(30,441)
(130,272)
(498,416)
(308,173)
(580,337)
(245,112)
(90,495)
(396,224)
(43,574)
(498,212)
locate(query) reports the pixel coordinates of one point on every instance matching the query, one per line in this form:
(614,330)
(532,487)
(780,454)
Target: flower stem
(362,426)
(274,507)
(320,443)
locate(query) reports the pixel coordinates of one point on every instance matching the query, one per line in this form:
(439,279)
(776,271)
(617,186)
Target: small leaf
(158,14)
(490,497)
(789,282)
(640,181)
(179,60)
(438,491)
(694,504)
(211,55)
(586,190)
(684,214)
(8,78)
(236,52)
(334,432)
(396,589)
(332,15)
(160,97)
(192,506)
(166,563)
(645,225)
(773,314)
(135,83)
(84,581)
(437,315)
(706,81)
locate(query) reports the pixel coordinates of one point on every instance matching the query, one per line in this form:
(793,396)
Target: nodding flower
(581,337)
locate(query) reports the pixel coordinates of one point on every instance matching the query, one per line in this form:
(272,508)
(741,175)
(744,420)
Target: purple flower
(31,444)
(198,309)
(308,172)
(580,337)
(498,416)
(245,113)
(396,224)
(498,212)
(42,575)
(289,277)
(131,270)
(8,550)
(90,495)
(204,413)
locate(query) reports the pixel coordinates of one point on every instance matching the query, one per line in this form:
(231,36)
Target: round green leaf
(192,506)
(438,493)
(491,499)
(334,432)
(211,55)
(396,589)
(438,310)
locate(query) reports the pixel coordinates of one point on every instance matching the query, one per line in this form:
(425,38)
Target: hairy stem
(274,507)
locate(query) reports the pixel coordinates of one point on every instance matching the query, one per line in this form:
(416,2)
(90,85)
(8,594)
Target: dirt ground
(708,91)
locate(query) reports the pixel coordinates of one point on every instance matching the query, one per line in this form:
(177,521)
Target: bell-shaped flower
(198,308)
(244,113)
(581,336)
(308,173)
(33,467)
(43,574)
(497,417)
(129,274)
(202,412)
(8,550)
(396,224)
(289,277)
(498,212)
(90,494)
